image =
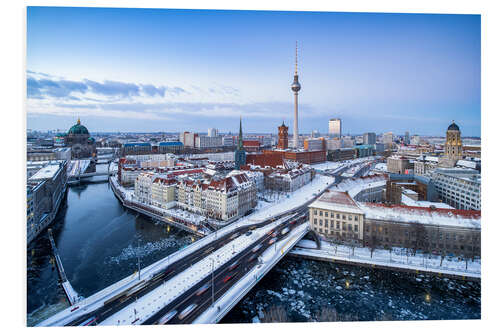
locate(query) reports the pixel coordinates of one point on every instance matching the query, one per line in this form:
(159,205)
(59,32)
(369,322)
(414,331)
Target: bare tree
(327,315)
(443,254)
(275,314)
(373,243)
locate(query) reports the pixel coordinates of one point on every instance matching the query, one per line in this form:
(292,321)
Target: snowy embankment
(268,260)
(397,259)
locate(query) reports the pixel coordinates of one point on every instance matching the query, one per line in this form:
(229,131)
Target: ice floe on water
(305,288)
(145,250)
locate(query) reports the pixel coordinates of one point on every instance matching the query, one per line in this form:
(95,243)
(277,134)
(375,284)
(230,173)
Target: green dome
(78,129)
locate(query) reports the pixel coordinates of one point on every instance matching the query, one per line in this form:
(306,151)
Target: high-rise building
(335,128)
(212,132)
(188,139)
(387,138)
(239,154)
(295,88)
(407,138)
(369,138)
(415,140)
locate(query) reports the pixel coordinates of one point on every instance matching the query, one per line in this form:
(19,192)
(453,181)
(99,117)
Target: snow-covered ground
(333,166)
(329,165)
(397,258)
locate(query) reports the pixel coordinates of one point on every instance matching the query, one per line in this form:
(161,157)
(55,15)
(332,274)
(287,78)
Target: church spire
(240,137)
(239,154)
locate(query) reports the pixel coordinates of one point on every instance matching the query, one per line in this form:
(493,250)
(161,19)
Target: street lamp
(138,259)
(212,259)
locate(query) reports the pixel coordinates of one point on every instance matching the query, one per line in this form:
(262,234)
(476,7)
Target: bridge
(71,294)
(199,283)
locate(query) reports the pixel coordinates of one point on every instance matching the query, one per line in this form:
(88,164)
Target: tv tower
(295,89)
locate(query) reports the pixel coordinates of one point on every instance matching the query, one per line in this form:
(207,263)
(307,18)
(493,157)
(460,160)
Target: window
(350,227)
(321,222)
(326,223)
(343,217)
(326,214)
(344,226)
(350,217)
(355,218)
(315,221)
(338,225)
(355,228)
(338,216)
(320,213)
(315,212)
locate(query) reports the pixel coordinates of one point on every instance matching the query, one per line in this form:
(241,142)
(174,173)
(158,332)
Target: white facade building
(333,144)
(335,128)
(460,188)
(212,132)
(208,142)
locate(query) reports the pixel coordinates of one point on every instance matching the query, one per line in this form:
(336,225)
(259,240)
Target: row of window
(345,226)
(338,234)
(338,216)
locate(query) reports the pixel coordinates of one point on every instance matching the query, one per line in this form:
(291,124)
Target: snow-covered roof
(467,164)
(337,201)
(405,200)
(46,172)
(423,215)
(354,186)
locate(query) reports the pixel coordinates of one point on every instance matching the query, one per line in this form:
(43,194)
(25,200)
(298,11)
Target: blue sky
(176,70)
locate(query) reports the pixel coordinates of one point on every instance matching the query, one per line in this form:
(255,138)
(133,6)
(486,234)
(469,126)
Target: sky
(150,70)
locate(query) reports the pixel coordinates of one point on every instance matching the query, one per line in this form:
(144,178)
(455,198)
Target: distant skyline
(141,70)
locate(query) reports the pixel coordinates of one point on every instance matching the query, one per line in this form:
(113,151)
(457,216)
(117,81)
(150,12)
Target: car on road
(187,311)
(233,236)
(210,249)
(202,289)
(272,240)
(248,233)
(233,265)
(284,231)
(274,234)
(166,318)
(92,321)
(252,257)
(228,277)
(256,248)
